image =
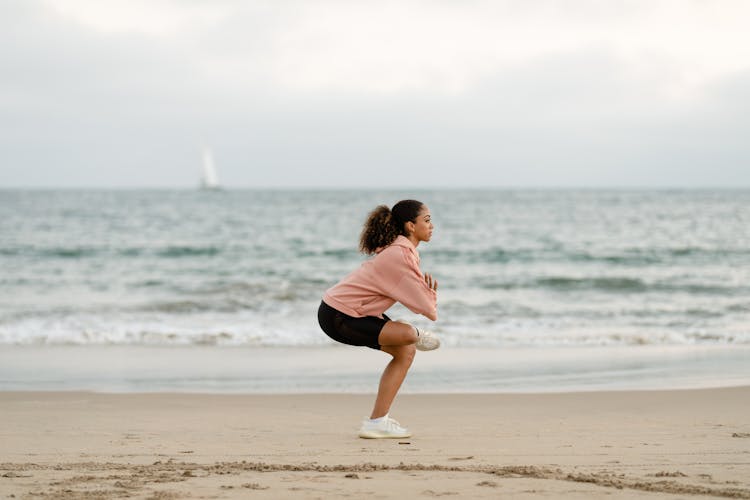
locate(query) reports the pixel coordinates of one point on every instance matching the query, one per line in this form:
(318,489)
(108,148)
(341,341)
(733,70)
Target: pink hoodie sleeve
(412,291)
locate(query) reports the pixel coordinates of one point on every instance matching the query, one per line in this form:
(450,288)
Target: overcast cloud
(577,93)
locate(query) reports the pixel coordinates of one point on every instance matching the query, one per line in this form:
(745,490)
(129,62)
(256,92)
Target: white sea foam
(279,330)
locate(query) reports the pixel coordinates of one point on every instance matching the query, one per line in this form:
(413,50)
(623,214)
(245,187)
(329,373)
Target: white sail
(209,179)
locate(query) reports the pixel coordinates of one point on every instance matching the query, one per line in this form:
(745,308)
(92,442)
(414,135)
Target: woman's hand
(431,282)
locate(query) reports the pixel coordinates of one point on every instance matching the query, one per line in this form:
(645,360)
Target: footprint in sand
(255,486)
(12,474)
(491,484)
(668,474)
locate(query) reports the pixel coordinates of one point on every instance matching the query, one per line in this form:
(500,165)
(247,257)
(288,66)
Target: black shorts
(349,330)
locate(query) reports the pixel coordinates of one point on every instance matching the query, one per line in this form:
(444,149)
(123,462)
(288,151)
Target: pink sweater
(392,276)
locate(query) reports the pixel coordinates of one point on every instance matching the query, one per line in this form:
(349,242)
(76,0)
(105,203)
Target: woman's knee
(398,333)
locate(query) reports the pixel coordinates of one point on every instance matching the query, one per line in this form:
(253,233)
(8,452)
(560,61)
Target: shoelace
(393,423)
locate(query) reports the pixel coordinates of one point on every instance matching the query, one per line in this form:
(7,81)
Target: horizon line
(389,188)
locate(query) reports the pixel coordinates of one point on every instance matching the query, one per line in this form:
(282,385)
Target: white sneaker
(427,341)
(385,428)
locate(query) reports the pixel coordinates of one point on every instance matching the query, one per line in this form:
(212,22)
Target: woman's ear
(410,227)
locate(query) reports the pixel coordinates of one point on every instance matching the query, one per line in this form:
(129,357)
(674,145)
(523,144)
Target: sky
(357,94)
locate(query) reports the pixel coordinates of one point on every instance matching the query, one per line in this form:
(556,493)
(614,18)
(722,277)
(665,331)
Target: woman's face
(423,225)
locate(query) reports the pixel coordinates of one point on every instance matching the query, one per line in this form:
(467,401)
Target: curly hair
(383,225)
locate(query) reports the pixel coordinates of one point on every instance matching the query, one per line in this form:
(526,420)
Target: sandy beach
(647,444)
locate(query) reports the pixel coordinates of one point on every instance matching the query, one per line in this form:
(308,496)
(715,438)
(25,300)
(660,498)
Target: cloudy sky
(347,93)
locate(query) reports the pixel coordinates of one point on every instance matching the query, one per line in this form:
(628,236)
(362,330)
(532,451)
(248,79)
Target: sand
(648,444)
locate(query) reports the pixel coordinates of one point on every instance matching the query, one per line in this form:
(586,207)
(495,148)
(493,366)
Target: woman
(352,311)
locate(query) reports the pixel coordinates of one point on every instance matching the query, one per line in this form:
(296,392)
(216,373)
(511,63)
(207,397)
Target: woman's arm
(416,291)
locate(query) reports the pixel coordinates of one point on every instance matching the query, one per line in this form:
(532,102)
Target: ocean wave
(499,255)
(188,251)
(260,331)
(340,253)
(159,335)
(525,339)
(183,306)
(235,304)
(72,252)
(612,284)
(486,256)
(148,283)
(443,256)
(739,308)
(662,256)
(250,295)
(136,337)
(609,284)
(79,252)
(626,257)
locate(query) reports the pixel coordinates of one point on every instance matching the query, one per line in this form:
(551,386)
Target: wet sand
(646,444)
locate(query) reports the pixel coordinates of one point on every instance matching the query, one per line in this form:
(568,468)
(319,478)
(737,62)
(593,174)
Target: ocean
(540,272)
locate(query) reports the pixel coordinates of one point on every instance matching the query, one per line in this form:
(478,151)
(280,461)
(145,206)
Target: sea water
(539,271)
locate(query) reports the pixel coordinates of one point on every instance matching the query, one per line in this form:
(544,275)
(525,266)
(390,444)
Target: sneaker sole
(379,435)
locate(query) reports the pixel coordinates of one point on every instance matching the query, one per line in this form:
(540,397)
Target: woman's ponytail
(379,230)
(384,225)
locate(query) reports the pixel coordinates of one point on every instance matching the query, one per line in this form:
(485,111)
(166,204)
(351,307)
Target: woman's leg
(393,376)
(397,339)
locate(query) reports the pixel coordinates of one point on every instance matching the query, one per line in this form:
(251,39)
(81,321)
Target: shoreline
(342,369)
(622,444)
(365,394)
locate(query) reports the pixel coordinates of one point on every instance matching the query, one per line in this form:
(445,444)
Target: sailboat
(209,179)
